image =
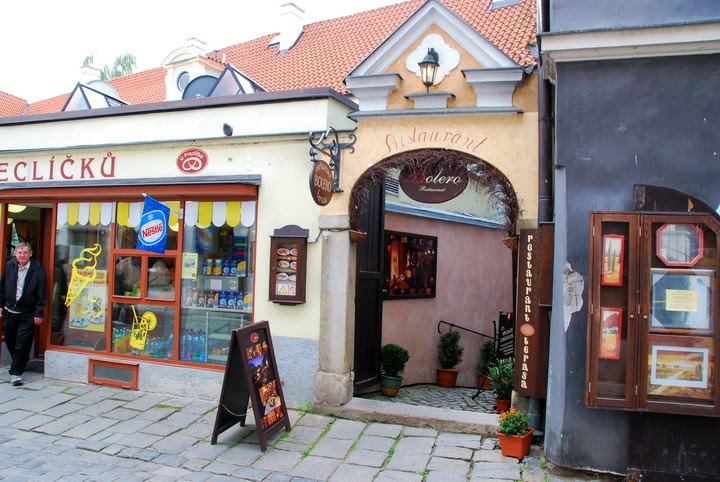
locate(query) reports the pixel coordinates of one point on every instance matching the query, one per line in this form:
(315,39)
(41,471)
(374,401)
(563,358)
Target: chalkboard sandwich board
(251,375)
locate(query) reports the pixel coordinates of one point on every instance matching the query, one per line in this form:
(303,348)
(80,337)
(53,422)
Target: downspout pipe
(545,128)
(536,406)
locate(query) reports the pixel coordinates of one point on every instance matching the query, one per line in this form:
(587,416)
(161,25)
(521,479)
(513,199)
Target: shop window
(127,221)
(652,336)
(217,277)
(80,277)
(143,330)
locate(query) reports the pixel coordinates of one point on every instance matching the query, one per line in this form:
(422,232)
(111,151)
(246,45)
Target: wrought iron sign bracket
(329,144)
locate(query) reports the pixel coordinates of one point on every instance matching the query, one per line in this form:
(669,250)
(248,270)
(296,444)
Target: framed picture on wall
(612,260)
(410,265)
(610,333)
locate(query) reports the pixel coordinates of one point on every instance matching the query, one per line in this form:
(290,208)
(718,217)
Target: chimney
(291,26)
(88,73)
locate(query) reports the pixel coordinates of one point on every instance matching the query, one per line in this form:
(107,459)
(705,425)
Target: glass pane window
(127,275)
(80,276)
(216,277)
(127,220)
(143,330)
(161,278)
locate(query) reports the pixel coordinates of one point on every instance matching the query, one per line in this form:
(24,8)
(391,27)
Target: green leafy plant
(513,422)
(393,359)
(450,352)
(502,374)
(488,357)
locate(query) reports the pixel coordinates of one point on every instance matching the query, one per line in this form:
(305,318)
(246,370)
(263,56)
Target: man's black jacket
(34,295)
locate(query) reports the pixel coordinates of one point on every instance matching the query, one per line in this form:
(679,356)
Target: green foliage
(450,351)
(513,422)
(393,359)
(124,65)
(502,374)
(488,356)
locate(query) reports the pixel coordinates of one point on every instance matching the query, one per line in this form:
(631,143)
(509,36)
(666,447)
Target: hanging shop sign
(533,311)
(506,335)
(321,183)
(433,185)
(251,375)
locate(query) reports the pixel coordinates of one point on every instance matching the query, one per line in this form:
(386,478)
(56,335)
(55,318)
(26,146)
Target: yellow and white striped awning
(201,214)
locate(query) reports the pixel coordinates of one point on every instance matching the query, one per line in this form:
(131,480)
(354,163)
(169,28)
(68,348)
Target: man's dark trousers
(18,329)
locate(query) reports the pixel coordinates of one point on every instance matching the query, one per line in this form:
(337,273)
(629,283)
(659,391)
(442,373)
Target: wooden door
(368,291)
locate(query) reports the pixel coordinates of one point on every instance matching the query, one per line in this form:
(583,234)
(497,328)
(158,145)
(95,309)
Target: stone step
(445,420)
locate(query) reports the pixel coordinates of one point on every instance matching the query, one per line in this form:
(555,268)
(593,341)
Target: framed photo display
(612,259)
(410,265)
(611,320)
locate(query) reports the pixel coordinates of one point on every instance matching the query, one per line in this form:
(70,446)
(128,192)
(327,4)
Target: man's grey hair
(24,244)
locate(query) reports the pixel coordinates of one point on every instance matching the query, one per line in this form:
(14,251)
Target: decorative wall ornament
(448,57)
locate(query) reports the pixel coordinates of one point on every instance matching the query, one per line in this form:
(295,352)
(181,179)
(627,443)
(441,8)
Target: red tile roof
(11,105)
(328,50)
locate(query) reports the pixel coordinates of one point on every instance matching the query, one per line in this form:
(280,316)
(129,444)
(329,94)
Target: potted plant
(488,356)
(513,433)
(502,375)
(392,361)
(450,353)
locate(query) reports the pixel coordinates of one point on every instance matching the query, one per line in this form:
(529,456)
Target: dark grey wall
(619,123)
(593,14)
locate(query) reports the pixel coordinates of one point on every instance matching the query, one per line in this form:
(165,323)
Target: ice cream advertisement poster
(87,310)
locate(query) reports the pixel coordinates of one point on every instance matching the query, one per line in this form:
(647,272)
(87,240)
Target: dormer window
(183,80)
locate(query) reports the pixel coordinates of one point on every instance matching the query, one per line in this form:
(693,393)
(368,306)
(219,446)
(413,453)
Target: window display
(652,339)
(181,305)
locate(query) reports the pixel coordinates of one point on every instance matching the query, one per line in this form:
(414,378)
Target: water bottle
(202,340)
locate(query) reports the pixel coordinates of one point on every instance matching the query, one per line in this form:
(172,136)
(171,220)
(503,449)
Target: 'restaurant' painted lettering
(66,169)
(398,142)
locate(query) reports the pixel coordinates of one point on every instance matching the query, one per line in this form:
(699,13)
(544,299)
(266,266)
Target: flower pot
(484,382)
(389,385)
(517,446)
(502,405)
(447,378)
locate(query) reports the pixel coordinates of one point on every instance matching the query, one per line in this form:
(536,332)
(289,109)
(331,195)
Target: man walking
(23,295)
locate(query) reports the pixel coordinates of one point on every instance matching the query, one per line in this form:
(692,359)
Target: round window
(182,81)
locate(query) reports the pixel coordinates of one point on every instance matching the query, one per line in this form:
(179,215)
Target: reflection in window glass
(80,276)
(143,330)
(127,276)
(161,278)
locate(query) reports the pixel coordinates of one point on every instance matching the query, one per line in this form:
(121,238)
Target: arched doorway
(367,216)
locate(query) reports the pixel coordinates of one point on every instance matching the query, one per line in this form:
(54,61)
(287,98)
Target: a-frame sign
(251,374)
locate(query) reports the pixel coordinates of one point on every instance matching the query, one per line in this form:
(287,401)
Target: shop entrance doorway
(475,271)
(30,223)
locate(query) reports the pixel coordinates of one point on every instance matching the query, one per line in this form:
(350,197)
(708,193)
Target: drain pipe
(536,406)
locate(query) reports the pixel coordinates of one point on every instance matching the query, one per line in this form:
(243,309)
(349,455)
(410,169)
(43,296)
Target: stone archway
(484,178)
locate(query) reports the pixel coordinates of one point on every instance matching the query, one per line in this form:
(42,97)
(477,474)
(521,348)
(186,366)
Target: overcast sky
(44,42)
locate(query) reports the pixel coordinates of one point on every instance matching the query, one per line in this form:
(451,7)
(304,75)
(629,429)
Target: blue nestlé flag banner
(152,233)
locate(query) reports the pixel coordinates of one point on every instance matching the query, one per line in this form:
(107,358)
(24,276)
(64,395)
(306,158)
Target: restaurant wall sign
(321,183)
(433,185)
(531,342)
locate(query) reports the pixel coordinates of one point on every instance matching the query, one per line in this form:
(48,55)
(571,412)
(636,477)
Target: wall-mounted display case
(288,265)
(652,336)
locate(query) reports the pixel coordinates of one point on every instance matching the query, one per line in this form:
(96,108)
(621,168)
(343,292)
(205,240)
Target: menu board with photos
(251,375)
(288,254)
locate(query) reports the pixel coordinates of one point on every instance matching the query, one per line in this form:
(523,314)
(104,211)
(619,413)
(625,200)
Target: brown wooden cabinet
(653,338)
(288,265)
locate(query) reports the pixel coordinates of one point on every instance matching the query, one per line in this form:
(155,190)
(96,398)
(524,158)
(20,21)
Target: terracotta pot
(447,378)
(389,385)
(502,405)
(517,446)
(484,382)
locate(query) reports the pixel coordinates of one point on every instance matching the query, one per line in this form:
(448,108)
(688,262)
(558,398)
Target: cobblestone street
(53,430)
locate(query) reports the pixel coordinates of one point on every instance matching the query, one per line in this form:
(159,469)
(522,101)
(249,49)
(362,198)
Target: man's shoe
(16,380)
